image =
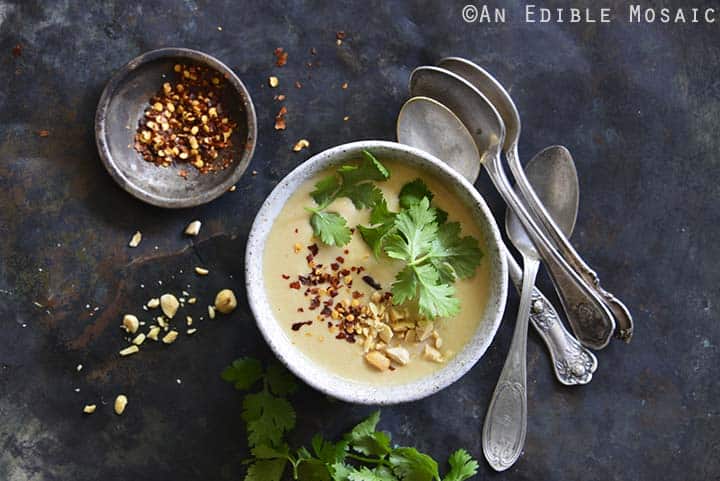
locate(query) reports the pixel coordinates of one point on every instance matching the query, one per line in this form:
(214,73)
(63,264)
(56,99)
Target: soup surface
(291,241)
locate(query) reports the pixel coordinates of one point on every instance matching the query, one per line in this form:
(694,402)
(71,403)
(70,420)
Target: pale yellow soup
(316,340)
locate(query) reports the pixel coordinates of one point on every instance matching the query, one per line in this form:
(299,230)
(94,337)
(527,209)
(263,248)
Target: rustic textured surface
(638,106)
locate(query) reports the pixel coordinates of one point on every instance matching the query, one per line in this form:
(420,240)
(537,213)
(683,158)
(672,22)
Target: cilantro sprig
(355,182)
(363,454)
(434,253)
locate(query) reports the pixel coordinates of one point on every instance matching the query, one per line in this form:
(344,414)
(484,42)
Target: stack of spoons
(462,115)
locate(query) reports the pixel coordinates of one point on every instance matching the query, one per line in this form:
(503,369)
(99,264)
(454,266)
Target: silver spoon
(450,141)
(506,419)
(505,425)
(589,330)
(488,132)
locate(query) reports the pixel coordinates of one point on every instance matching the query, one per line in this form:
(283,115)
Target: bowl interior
(123,103)
(315,374)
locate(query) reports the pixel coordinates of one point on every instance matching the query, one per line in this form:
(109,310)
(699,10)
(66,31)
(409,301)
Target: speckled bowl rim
(116,173)
(313,373)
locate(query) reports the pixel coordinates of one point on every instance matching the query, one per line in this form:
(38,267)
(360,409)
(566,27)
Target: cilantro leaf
(411,465)
(367,474)
(243,373)
(364,428)
(331,228)
(267,417)
(413,192)
(435,299)
(266,470)
(462,253)
(312,469)
(327,451)
(266,452)
(383,222)
(340,471)
(280,381)
(356,182)
(419,230)
(362,195)
(364,439)
(325,190)
(369,169)
(462,466)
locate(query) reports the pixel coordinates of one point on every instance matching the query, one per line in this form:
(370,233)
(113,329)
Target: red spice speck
(285,276)
(314,249)
(295,285)
(300,309)
(335,266)
(17,50)
(281,56)
(296,326)
(296,230)
(372,282)
(346,251)
(309,258)
(340,259)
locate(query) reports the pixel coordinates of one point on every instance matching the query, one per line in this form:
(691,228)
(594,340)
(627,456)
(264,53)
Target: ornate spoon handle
(505,426)
(572,362)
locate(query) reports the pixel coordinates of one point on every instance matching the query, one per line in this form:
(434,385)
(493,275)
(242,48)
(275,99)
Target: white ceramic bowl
(315,374)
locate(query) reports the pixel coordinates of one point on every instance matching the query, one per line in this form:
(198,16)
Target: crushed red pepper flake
(281,56)
(17,50)
(185,122)
(298,85)
(43,133)
(285,276)
(296,326)
(280,119)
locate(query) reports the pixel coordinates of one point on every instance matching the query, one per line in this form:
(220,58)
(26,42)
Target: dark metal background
(637,105)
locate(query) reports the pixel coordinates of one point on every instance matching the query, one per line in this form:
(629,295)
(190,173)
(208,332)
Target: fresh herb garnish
(364,454)
(433,252)
(355,182)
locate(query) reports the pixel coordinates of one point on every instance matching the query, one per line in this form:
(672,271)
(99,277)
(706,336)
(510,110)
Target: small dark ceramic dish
(122,105)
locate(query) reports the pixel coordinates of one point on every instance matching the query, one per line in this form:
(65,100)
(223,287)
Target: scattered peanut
(129,350)
(378,360)
(153,303)
(398,354)
(211,312)
(169,305)
(89,408)
(193,228)
(120,404)
(273,81)
(192,331)
(139,339)
(130,323)
(154,332)
(225,301)
(170,337)
(301,144)
(201,271)
(135,239)
(432,354)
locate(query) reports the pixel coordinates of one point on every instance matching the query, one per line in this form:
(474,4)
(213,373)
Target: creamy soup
(290,243)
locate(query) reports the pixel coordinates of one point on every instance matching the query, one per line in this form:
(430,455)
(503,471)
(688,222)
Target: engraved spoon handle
(580,300)
(572,362)
(505,425)
(620,312)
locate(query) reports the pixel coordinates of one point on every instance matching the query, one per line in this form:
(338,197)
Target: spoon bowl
(428,125)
